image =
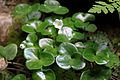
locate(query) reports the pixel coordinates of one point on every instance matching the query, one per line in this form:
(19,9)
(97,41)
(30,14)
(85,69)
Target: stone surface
(5,22)
(3,64)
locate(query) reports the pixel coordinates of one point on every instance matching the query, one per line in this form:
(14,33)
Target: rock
(3,64)
(5,22)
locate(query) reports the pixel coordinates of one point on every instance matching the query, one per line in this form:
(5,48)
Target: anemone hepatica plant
(62,41)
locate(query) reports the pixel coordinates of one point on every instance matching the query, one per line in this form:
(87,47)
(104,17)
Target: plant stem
(15,63)
(16,69)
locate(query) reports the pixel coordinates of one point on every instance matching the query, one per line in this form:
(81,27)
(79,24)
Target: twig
(16,69)
(15,63)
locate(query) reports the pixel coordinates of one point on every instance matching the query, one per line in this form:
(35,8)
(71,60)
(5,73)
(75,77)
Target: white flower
(22,46)
(67,32)
(58,23)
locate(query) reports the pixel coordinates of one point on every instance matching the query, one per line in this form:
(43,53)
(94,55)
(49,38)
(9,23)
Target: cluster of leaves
(105,7)
(27,12)
(60,40)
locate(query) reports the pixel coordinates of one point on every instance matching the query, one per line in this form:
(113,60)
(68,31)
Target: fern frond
(103,6)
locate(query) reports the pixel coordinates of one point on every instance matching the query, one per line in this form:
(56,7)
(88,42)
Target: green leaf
(46,59)
(46,75)
(67,31)
(113,60)
(89,54)
(43,8)
(80,24)
(36,60)
(78,35)
(62,38)
(31,53)
(68,22)
(51,4)
(33,15)
(97,73)
(102,57)
(69,57)
(19,77)
(34,64)
(63,61)
(77,62)
(91,28)
(28,29)
(46,42)
(9,52)
(42,26)
(61,10)
(83,17)
(32,38)
(67,48)
(66,61)
(31,26)
(21,11)
(35,7)
(53,51)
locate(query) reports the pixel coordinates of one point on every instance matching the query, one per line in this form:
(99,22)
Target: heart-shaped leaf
(97,73)
(36,60)
(46,75)
(69,57)
(19,77)
(67,61)
(9,52)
